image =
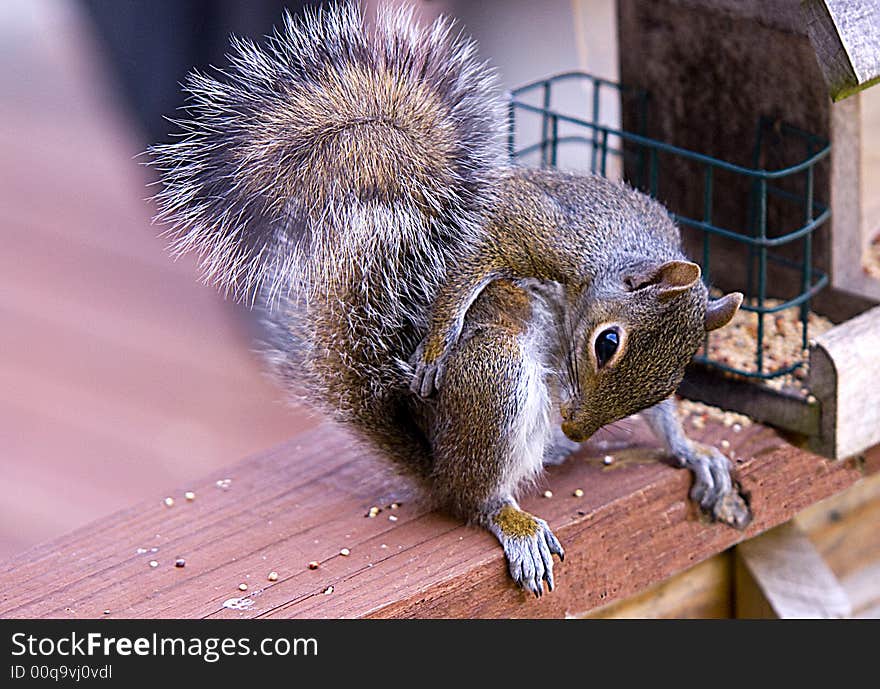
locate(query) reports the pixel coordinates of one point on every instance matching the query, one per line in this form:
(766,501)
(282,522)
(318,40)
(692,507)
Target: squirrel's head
(634,330)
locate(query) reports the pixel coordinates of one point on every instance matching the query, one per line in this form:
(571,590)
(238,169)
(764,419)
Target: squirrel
(472,319)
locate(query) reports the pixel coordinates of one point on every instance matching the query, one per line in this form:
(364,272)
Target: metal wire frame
(754,236)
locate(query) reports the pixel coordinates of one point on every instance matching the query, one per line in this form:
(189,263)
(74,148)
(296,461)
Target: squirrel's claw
(530,558)
(426,380)
(731,509)
(428,375)
(713,488)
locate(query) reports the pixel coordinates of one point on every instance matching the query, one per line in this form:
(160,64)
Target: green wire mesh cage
(765,209)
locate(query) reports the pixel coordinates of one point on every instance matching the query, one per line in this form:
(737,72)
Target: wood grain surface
(839,362)
(307,500)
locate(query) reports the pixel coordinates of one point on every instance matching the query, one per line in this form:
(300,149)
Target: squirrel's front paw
(713,488)
(428,372)
(529,546)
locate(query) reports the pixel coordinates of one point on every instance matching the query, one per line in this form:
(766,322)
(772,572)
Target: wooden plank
(308,499)
(862,587)
(702,592)
(844,528)
(845,35)
(780,574)
(842,362)
(784,15)
(850,200)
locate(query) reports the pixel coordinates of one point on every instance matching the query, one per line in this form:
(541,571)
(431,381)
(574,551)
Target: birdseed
(607,459)
(224,483)
(373,512)
(328,590)
(548,493)
(180,562)
(314,564)
(578,493)
(242,587)
(169,502)
(272,576)
(345,552)
(189,495)
(698,410)
(392,518)
(736,345)
(154,564)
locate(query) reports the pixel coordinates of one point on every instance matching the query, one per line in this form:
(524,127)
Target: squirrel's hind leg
(713,488)
(492,422)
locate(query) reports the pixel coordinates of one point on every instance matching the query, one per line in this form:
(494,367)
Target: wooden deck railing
(308,499)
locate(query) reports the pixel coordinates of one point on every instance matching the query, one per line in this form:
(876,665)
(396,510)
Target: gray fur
(329,176)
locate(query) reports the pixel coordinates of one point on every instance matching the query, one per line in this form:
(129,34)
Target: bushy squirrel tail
(332,151)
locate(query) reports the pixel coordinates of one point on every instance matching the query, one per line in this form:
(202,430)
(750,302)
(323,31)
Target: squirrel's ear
(719,312)
(677,277)
(672,278)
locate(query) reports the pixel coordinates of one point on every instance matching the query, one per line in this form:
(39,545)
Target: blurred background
(121,375)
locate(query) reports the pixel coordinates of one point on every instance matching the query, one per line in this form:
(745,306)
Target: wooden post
(844,364)
(781,575)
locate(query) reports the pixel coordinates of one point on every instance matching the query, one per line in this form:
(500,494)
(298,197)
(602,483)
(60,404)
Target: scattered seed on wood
(393,505)
(224,483)
(548,493)
(238,603)
(272,576)
(328,590)
(725,444)
(180,562)
(106,612)
(314,564)
(153,563)
(169,502)
(189,495)
(578,493)
(141,551)
(607,459)
(345,552)
(392,518)
(373,512)
(242,587)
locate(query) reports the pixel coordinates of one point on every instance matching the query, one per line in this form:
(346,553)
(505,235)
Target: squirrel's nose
(572,432)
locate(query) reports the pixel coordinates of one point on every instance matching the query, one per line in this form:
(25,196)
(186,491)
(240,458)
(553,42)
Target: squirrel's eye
(606,345)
